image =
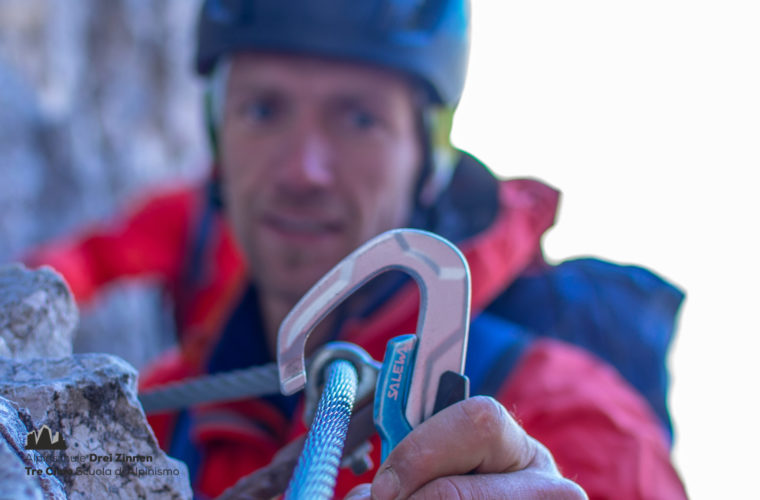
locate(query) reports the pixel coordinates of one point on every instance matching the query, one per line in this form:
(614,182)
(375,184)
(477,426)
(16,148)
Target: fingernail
(361,492)
(386,485)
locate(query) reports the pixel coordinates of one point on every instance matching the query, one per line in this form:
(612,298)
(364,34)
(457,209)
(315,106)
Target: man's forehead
(293,72)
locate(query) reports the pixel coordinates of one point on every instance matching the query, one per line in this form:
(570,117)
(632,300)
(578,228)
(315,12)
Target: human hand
(475,450)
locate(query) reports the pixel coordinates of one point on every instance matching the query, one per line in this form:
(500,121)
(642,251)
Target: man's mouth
(297,226)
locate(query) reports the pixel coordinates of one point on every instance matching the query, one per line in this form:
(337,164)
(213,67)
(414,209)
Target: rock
(5,351)
(151,328)
(16,463)
(37,313)
(91,400)
(76,80)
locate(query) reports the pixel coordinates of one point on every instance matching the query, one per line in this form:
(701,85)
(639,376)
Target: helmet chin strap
(213,110)
(440,154)
(214,186)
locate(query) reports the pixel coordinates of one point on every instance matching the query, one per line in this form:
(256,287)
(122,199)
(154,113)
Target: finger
(474,435)
(522,485)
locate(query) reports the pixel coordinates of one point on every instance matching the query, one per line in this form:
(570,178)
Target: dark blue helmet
(426,39)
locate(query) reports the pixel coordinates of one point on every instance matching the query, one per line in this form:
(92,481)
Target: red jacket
(602,433)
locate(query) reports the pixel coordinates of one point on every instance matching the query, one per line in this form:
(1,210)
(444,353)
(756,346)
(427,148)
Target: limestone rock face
(71,426)
(37,313)
(91,401)
(98,107)
(16,463)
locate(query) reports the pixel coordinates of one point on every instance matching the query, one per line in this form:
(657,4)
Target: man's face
(318,156)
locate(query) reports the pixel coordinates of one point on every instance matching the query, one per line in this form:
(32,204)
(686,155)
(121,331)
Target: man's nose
(307,162)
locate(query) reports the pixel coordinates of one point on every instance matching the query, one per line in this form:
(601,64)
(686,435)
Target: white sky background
(646,114)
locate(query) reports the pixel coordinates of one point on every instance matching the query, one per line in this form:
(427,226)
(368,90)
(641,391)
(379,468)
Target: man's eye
(261,111)
(361,119)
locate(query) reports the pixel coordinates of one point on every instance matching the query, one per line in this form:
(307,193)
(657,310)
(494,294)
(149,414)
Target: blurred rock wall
(97,101)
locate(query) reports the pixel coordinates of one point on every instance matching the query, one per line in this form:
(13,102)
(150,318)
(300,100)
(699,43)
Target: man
(330,122)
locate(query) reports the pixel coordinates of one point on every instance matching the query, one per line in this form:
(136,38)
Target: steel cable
(251,382)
